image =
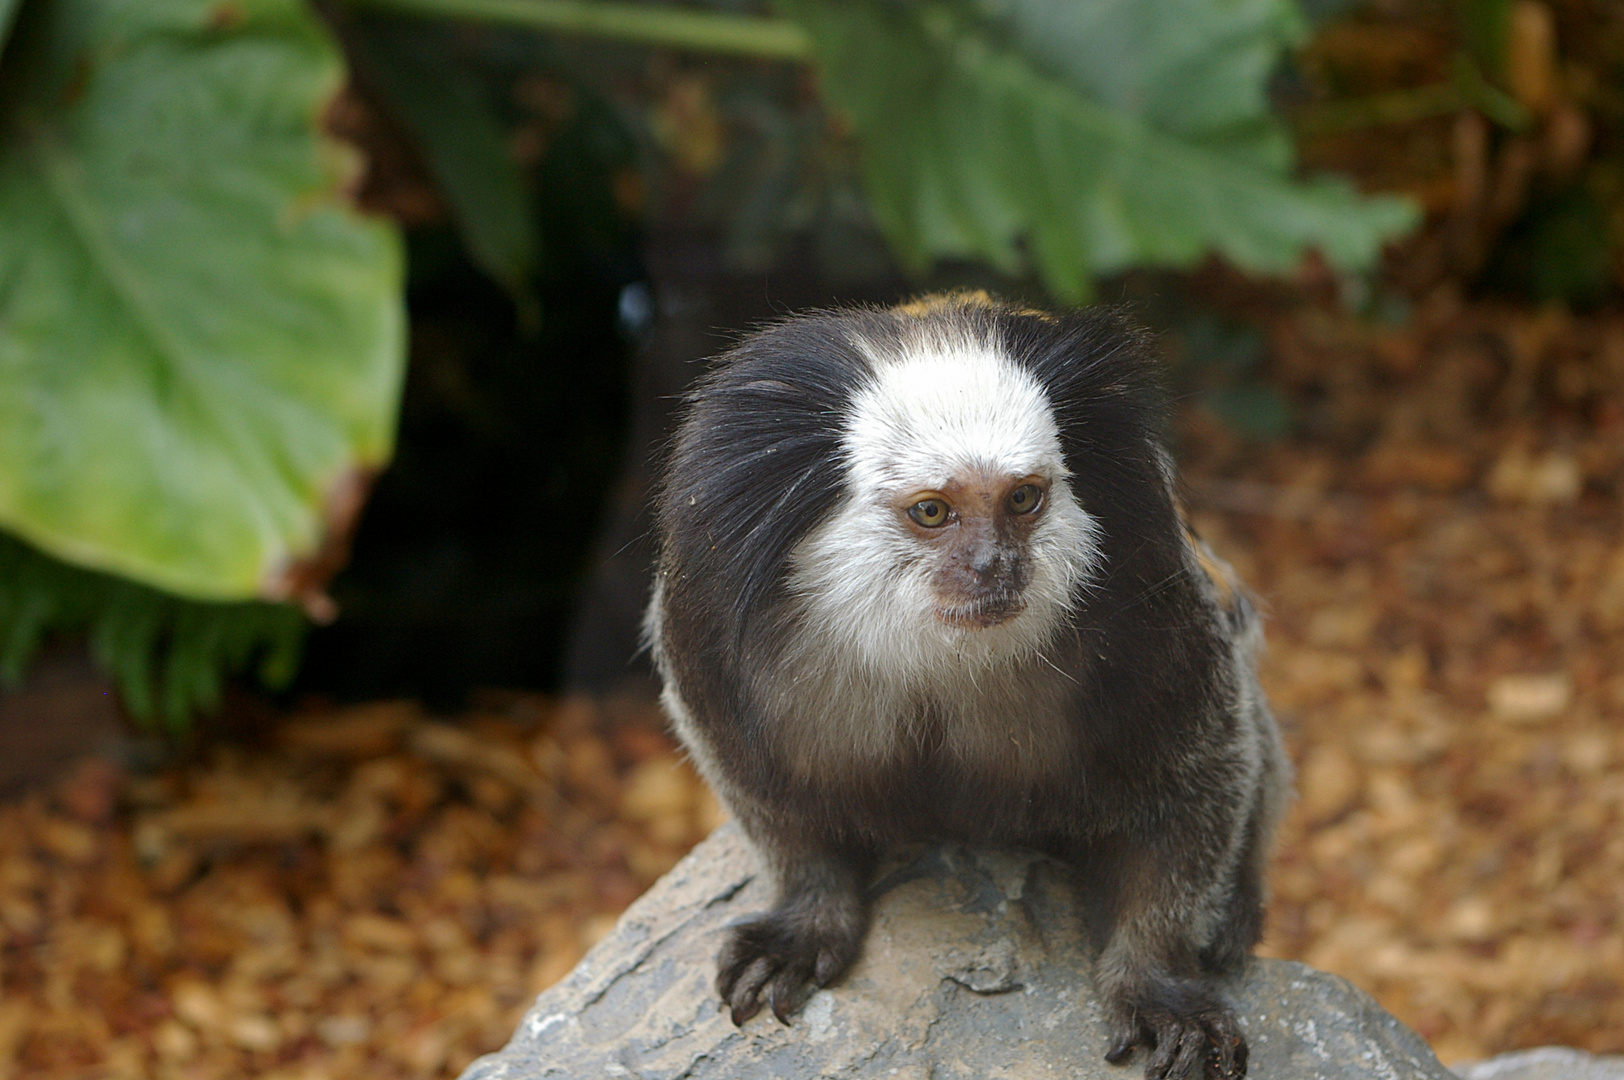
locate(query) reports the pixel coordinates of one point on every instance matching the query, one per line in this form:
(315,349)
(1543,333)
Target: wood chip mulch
(374,895)
(380,894)
(1446,654)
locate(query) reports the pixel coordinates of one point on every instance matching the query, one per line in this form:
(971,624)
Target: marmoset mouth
(982,614)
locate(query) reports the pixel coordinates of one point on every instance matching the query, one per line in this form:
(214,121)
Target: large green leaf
(201,343)
(995,138)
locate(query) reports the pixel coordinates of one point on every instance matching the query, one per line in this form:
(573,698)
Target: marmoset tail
(922,574)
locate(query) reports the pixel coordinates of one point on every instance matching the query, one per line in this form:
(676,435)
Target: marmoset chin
(923,575)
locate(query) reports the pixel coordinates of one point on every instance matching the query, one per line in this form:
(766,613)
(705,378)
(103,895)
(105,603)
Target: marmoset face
(958,539)
(978,529)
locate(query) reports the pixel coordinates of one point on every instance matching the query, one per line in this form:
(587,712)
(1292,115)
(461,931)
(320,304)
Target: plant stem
(1393,107)
(677,28)
(1467,90)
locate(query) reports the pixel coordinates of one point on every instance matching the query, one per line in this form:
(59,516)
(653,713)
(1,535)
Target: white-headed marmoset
(923,574)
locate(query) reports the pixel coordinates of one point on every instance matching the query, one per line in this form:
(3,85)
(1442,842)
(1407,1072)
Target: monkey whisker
(1150,592)
(1063,673)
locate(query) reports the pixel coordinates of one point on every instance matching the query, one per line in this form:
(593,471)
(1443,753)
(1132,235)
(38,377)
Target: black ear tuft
(1104,384)
(756,460)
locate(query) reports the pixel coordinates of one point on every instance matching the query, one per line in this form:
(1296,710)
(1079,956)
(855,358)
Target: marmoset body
(922,574)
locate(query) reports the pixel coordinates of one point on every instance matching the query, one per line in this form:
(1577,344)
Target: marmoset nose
(987,564)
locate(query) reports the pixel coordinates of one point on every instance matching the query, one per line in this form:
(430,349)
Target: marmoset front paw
(1188,1032)
(780,960)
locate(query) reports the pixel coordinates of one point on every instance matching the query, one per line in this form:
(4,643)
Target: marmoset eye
(1025,499)
(931,513)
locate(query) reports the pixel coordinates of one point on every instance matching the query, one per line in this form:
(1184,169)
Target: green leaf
(972,149)
(201,342)
(444,106)
(1194,68)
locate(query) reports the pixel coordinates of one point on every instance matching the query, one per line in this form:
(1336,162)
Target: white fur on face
(946,407)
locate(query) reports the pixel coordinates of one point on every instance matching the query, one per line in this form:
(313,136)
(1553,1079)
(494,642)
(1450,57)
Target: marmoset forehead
(943,406)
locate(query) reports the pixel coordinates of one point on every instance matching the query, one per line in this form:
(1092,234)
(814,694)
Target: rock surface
(1546,1063)
(973,968)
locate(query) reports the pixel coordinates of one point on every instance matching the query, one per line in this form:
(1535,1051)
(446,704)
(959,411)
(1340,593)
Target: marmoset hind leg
(810,936)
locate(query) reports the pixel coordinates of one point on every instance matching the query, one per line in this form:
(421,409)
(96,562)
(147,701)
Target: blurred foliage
(203,340)
(8,12)
(167,655)
(1485,25)
(1047,136)
(1475,79)
(448,110)
(1558,250)
(1095,137)
(1223,363)
(1505,118)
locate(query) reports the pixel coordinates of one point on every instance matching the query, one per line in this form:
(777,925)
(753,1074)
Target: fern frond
(168,656)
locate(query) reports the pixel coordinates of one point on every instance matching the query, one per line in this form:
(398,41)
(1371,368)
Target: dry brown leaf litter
(1443,566)
(380,894)
(376,895)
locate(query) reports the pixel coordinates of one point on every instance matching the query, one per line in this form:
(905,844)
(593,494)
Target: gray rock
(973,968)
(1546,1063)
